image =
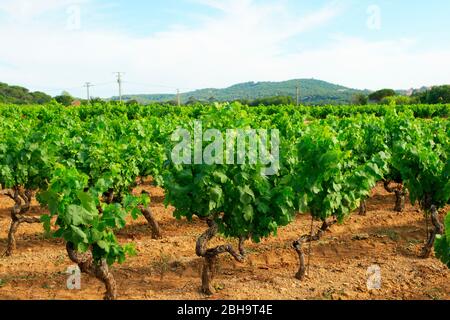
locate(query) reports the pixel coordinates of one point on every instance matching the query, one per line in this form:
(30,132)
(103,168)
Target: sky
(162,46)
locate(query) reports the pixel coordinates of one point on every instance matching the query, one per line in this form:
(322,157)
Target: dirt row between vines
(169,268)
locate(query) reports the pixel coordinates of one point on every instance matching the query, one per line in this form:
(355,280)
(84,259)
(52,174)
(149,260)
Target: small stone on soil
(362,236)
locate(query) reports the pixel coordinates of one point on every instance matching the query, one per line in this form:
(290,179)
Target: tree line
(435,95)
(20,95)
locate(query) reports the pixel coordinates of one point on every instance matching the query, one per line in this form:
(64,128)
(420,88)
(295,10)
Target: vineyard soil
(169,268)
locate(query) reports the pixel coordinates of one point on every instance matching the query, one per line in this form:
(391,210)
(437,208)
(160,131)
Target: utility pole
(88,85)
(298,94)
(178,97)
(119,81)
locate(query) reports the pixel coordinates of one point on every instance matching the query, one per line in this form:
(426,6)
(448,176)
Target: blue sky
(55,45)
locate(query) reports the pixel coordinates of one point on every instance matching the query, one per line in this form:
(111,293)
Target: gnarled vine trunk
(400,195)
(241,246)
(152,222)
(438,228)
(100,270)
(210,255)
(298,246)
(400,199)
(363,208)
(22,204)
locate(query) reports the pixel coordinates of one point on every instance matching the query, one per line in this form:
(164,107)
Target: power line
(104,83)
(150,85)
(120,82)
(158,86)
(56,89)
(69,88)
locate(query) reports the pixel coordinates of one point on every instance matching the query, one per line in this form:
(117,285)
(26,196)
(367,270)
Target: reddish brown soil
(169,268)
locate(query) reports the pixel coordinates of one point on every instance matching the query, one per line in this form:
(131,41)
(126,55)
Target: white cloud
(244,43)
(354,62)
(24,10)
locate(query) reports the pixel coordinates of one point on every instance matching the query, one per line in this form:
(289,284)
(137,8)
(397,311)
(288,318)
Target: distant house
(76,103)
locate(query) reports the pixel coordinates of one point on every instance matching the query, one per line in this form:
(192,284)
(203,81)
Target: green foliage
(131,102)
(81,218)
(25,155)
(423,159)
(379,95)
(73,155)
(442,245)
(273,101)
(438,94)
(360,99)
(242,200)
(21,96)
(328,178)
(65,100)
(331,157)
(399,100)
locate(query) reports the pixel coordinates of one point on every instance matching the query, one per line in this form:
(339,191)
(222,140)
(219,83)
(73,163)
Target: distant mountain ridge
(312,91)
